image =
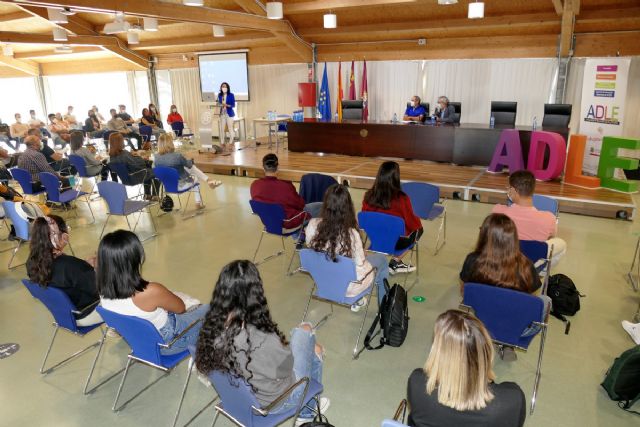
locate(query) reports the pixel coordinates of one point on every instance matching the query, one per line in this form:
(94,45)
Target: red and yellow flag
(352,83)
(340,93)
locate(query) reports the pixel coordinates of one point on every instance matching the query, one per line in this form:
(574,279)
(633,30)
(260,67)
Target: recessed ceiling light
(193,2)
(476,10)
(274,10)
(330,20)
(218,31)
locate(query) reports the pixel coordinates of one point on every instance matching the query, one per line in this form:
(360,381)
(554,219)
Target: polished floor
(187,256)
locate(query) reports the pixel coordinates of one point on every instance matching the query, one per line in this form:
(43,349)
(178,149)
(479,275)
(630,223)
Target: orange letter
(573,174)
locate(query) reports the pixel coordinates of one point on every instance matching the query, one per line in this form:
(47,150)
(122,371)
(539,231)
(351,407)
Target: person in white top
(123,290)
(336,233)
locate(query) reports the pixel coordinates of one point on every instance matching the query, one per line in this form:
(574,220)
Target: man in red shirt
(270,189)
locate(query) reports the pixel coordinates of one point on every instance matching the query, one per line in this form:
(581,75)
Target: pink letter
(508,153)
(557,155)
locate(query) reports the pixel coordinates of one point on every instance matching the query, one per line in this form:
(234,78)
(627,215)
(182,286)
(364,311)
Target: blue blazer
(231,102)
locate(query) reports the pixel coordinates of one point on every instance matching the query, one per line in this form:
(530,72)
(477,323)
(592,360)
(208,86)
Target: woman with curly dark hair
(239,337)
(47,265)
(336,233)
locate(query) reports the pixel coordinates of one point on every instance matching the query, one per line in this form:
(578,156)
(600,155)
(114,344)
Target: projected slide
(216,68)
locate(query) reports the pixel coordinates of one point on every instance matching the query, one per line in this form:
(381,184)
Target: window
(20,95)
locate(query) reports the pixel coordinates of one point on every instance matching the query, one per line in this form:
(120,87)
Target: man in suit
(444,112)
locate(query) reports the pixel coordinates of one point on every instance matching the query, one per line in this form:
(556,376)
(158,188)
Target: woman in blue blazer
(227,103)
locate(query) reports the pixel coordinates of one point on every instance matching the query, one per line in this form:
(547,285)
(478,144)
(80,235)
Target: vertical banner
(604,92)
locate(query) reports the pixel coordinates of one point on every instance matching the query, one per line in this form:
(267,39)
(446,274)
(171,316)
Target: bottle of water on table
(395,118)
(534,126)
(492,122)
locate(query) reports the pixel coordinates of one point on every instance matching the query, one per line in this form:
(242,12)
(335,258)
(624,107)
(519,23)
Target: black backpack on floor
(393,318)
(564,296)
(622,381)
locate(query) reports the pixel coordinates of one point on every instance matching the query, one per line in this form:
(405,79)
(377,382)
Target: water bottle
(534,126)
(492,122)
(395,118)
(336,118)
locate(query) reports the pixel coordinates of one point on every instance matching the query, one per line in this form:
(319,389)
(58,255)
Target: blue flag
(324,102)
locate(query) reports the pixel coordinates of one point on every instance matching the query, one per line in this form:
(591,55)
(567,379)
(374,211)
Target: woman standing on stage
(227,103)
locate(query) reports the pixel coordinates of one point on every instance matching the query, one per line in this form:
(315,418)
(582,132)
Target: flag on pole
(352,83)
(364,93)
(324,103)
(340,93)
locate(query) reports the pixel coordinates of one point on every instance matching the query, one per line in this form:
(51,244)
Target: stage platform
(455,182)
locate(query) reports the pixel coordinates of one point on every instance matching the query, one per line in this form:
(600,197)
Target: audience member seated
(48,265)
(240,338)
(56,160)
(128,120)
(149,120)
(95,165)
(444,112)
(174,116)
(188,172)
(33,161)
(135,164)
(59,130)
(532,224)
(456,386)
(119,125)
(157,119)
(270,189)
(387,197)
(18,130)
(92,125)
(336,233)
(71,120)
(35,122)
(123,290)
(98,115)
(415,111)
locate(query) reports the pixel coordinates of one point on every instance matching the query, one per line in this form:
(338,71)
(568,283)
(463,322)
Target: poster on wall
(604,92)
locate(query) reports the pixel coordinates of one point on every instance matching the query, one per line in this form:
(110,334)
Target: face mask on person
(33,116)
(18,119)
(123,110)
(174,110)
(224,89)
(153,109)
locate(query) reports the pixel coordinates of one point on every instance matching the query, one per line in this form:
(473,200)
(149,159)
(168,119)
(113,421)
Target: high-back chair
(556,116)
(52,186)
(177,128)
(273,218)
(21,227)
(314,185)
(330,282)
(80,164)
(63,312)
(115,195)
(170,179)
(146,344)
(426,203)
(504,112)
(457,107)
(546,203)
(24,179)
(512,318)
(540,255)
(135,179)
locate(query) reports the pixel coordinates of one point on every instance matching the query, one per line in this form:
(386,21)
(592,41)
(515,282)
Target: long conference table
(464,144)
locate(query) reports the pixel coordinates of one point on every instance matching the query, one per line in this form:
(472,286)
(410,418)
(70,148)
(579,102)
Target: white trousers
(559,249)
(197,174)
(228,121)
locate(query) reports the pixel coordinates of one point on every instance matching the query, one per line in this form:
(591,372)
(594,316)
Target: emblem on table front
(364,133)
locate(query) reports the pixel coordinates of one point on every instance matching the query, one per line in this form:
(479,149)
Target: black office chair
(458,107)
(504,113)
(556,116)
(352,110)
(426,107)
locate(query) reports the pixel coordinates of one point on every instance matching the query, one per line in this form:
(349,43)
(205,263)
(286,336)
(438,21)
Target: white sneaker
(324,405)
(358,305)
(633,329)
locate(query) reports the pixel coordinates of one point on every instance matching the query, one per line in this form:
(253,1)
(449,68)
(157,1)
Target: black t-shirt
(469,266)
(77,279)
(507,409)
(48,152)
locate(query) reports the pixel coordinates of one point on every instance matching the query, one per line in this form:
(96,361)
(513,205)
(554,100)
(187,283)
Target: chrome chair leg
(215,418)
(441,230)
(93,366)
(306,309)
(258,248)
(632,279)
(295,251)
(46,355)
(15,251)
(124,377)
(543,337)
(104,226)
(356,353)
(184,391)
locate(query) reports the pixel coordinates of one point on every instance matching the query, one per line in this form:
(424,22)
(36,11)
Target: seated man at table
(270,189)
(33,161)
(531,223)
(415,111)
(444,112)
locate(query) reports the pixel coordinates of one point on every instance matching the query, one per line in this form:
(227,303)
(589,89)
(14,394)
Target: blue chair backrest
(56,301)
(20,224)
(236,396)
(177,126)
(332,278)
(80,164)
(24,179)
(505,312)
(140,334)
(423,196)
(534,250)
(271,214)
(169,177)
(382,229)
(545,203)
(115,194)
(392,423)
(122,171)
(51,185)
(146,131)
(314,185)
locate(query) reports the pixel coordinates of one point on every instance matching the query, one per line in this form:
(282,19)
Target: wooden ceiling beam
(51,52)
(194,40)
(299,46)
(557,5)
(28,67)
(252,6)
(28,38)
(575,4)
(324,5)
(566,30)
(14,16)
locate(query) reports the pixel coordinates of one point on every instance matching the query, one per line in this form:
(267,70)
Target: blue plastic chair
(135,179)
(331,280)
(512,318)
(145,132)
(80,164)
(314,185)
(426,203)
(392,423)
(177,128)
(273,218)
(546,203)
(540,255)
(170,179)
(21,227)
(146,343)
(52,186)
(115,194)
(63,312)
(24,179)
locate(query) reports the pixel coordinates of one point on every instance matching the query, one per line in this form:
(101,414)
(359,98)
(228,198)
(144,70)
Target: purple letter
(508,153)
(557,155)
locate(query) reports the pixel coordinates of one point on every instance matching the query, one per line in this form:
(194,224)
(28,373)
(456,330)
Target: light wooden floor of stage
(456,182)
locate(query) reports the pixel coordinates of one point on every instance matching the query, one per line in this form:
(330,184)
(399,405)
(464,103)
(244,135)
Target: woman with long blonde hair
(456,386)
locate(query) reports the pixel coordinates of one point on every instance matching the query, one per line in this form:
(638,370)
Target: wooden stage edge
(455,182)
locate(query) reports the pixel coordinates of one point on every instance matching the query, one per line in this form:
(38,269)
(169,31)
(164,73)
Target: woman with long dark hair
(227,102)
(336,233)
(157,118)
(497,259)
(386,196)
(148,119)
(47,265)
(240,338)
(123,290)
(135,166)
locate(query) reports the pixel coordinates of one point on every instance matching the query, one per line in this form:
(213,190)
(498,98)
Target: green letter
(609,161)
